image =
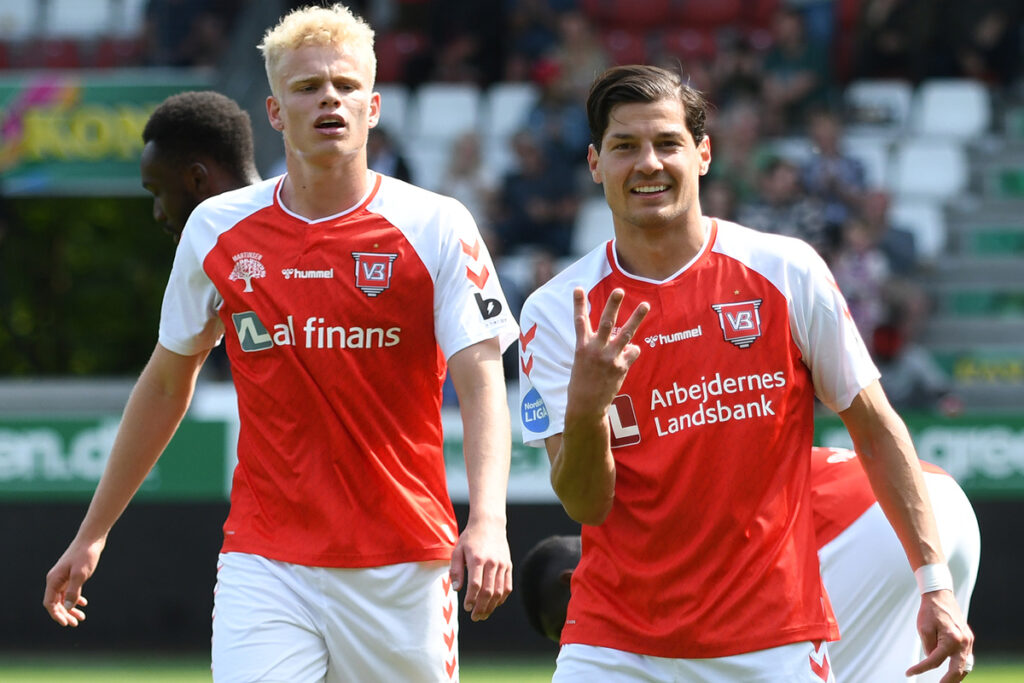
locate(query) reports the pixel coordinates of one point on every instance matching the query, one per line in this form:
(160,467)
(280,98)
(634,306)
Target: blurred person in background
(537,202)
(796,74)
(196,145)
(337,421)
(784,208)
(870,587)
(471,181)
(829,174)
(384,156)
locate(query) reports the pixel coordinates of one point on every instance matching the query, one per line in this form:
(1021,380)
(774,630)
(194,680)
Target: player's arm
(481,559)
(582,466)
(155,408)
(887,453)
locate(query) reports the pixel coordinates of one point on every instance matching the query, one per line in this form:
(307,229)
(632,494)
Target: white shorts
(275,621)
(793,663)
(873,590)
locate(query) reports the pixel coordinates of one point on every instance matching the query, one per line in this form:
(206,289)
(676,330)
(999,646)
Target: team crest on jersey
(373,271)
(625,428)
(248,267)
(740,321)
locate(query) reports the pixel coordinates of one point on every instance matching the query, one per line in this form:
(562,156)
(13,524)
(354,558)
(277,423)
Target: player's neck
(316,191)
(659,253)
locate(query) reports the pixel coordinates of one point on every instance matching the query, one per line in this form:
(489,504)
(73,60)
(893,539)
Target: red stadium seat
(57,54)
(118,52)
(625,46)
(394,50)
(847,12)
(697,13)
(689,43)
(628,13)
(760,12)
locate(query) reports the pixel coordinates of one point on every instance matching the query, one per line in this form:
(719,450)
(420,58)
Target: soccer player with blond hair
(343,297)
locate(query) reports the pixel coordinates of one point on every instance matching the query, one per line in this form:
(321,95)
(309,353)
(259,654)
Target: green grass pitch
(195,669)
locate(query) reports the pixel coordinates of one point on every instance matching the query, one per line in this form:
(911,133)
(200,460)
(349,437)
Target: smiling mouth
(649,189)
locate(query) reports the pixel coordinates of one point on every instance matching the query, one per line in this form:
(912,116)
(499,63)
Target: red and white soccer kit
(338,331)
(865,570)
(709,548)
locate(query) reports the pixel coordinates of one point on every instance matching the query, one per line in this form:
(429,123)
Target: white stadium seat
(506,107)
(394,108)
(951,107)
(931,168)
(593,225)
(874,154)
(444,111)
(925,220)
(878,106)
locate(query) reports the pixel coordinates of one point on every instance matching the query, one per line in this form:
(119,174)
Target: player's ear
(593,156)
(274,113)
(565,576)
(704,152)
(197,177)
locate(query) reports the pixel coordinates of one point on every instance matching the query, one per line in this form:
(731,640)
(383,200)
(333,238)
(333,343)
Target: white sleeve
(188,318)
(832,347)
(469,304)
(546,351)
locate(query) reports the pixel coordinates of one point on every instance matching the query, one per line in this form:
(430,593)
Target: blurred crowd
(773,69)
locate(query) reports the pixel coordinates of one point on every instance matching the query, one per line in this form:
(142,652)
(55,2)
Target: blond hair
(317,26)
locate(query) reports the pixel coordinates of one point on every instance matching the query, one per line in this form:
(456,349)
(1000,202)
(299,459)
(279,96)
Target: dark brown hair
(642,83)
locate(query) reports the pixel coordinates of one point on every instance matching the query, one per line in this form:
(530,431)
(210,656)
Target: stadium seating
(929,168)
(878,106)
(874,154)
(951,107)
(78,19)
(924,219)
(18,19)
(593,225)
(394,107)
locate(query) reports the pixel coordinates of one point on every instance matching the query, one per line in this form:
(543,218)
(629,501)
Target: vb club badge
(373,271)
(740,321)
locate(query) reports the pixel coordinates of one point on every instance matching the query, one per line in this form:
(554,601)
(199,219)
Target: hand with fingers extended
(482,563)
(944,634)
(603,356)
(63,599)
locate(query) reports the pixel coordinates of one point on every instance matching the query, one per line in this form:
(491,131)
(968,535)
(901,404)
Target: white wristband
(933,577)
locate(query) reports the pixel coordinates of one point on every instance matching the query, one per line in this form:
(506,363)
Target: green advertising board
(80,132)
(62,459)
(985,455)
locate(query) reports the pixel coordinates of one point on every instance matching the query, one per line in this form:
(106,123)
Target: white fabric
(785,664)
(275,621)
(874,594)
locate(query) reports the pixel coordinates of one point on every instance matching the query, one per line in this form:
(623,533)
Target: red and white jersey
(709,548)
(841,490)
(338,331)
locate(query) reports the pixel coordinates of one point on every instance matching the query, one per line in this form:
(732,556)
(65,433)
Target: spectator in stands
(537,202)
(910,376)
(558,120)
(472,182)
(186,33)
(785,209)
(861,271)
(736,71)
(981,39)
(579,54)
(892,39)
(835,178)
(740,150)
(383,155)
(895,242)
(796,73)
(532,27)
(718,199)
